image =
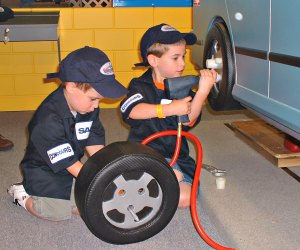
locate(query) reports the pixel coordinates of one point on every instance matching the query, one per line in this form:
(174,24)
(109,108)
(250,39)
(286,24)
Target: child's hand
(207,80)
(180,107)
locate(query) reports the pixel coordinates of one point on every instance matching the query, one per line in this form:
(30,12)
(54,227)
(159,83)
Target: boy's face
(80,101)
(171,63)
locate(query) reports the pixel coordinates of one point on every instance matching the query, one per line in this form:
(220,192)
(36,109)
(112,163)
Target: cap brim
(110,89)
(190,38)
(53,75)
(142,64)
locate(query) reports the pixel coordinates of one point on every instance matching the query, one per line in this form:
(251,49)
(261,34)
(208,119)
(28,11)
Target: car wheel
(126,193)
(218,49)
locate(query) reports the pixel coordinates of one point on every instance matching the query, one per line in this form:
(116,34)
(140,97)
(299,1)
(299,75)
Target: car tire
(218,45)
(126,193)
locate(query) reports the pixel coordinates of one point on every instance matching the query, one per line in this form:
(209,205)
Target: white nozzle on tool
(215,63)
(219,78)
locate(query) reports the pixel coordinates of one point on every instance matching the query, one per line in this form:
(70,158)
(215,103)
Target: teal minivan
(255,47)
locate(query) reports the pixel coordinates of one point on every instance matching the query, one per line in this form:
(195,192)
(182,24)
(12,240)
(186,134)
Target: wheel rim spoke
(132,202)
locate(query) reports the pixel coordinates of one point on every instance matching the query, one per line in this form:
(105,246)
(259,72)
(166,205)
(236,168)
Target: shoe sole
(11,190)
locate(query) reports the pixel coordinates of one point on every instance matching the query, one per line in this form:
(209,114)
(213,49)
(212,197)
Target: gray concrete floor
(257,210)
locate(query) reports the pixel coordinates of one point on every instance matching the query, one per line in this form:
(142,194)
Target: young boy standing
(64,125)
(146,108)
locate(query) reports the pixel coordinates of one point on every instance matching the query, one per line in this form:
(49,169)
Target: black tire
(126,193)
(218,44)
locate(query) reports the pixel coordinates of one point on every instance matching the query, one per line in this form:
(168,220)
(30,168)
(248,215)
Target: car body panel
(265,37)
(255,13)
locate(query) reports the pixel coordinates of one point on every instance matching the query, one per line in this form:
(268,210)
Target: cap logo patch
(107,69)
(167,28)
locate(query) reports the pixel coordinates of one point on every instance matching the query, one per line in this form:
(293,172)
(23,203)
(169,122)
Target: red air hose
(194,213)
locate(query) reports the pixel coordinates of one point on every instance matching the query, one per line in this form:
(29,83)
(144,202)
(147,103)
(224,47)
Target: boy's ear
(70,87)
(152,60)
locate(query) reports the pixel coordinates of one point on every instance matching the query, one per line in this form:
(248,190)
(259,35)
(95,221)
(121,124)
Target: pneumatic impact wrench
(179,88)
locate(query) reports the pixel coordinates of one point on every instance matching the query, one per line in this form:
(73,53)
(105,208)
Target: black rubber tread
(220,97)
(106,165)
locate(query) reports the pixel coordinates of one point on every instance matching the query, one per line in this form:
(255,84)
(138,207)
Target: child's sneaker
(19,194)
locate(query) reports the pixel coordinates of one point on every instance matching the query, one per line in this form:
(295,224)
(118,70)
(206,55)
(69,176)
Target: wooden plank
(267,140)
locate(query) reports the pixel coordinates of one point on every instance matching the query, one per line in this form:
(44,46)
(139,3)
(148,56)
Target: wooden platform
(267,140)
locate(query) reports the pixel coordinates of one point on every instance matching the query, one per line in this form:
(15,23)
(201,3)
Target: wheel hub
(134,202)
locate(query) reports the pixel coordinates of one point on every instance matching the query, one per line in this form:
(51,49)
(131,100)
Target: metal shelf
(31,26)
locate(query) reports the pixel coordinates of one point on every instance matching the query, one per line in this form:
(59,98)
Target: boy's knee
(185,195)
(49,209)
(30,209)
(184,202)
(76,212)
(179,175)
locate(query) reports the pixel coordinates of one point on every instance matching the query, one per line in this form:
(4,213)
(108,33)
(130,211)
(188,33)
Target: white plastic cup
(220,182)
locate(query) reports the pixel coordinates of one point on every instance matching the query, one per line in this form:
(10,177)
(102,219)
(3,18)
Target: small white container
(220,182)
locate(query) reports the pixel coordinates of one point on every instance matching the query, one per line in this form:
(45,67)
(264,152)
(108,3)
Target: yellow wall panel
(6,64)
(95,18)
(40,46)
(114,39)
(45,63)
(33,85)
(133,17)
(20,103)
(177,17)
(191,72)
(116,31)
(110,56)
(15,64)
(22,63)
(74,39)
(125,60)
(124,77)
(139,71)
(138,34)
(66,17)
(7,85)
(63,55)
(5,48)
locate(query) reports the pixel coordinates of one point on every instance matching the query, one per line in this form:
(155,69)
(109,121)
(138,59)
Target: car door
(285,41)
(250,21)
(285,59)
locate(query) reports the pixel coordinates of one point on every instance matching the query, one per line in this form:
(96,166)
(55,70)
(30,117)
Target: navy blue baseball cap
(164,34)
(90,65)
